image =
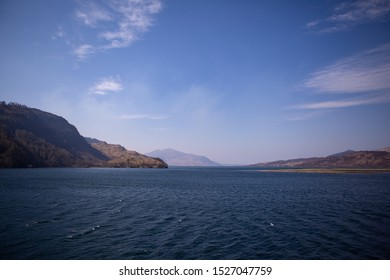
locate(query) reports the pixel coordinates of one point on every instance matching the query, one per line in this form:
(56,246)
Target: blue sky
(237,81)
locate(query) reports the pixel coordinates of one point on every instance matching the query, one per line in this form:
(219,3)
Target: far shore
(330,170)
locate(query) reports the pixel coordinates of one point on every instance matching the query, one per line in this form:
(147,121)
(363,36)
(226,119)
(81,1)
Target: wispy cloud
(159,129)
(348,14)
(343,103)
(305,115)
(91,14)
(59,33)
(106,85)
(142,116)
(364,72)
(83,51)
(365,77)
(114,24)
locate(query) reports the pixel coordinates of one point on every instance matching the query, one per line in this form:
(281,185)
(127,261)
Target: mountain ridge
(30,137)
(119,156)
(346,159)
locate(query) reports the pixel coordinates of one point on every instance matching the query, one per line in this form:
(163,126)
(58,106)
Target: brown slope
(350,159)
(387,149)
(120,157)
(31,137)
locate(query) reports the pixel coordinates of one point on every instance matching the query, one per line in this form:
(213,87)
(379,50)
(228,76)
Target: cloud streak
(114,24)
(306,115)
(142,116)
(385,98)
(364,72)
(106,85)
(83,51)
(92,14)
(349,14)
(365,77)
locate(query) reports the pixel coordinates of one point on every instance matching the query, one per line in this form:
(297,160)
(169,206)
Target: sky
(240,82)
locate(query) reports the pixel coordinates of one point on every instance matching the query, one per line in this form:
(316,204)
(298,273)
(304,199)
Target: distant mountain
(33,138)
(176,158)
(347,159)
(387,149)
(343,153)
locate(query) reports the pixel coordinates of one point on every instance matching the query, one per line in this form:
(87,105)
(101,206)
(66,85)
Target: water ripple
(204,213)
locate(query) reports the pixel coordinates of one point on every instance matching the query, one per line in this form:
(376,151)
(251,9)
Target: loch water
(192,213)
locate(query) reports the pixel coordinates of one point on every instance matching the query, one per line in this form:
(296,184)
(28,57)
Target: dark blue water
(192,213)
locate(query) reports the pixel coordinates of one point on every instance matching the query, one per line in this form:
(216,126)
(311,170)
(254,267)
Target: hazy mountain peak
(177,158)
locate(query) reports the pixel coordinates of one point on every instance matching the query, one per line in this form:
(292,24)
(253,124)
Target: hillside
(347,159)
(176,158)
(120,157)
(33,138)
(387,149)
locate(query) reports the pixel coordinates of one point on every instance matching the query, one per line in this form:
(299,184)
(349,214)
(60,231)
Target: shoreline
(330,170)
